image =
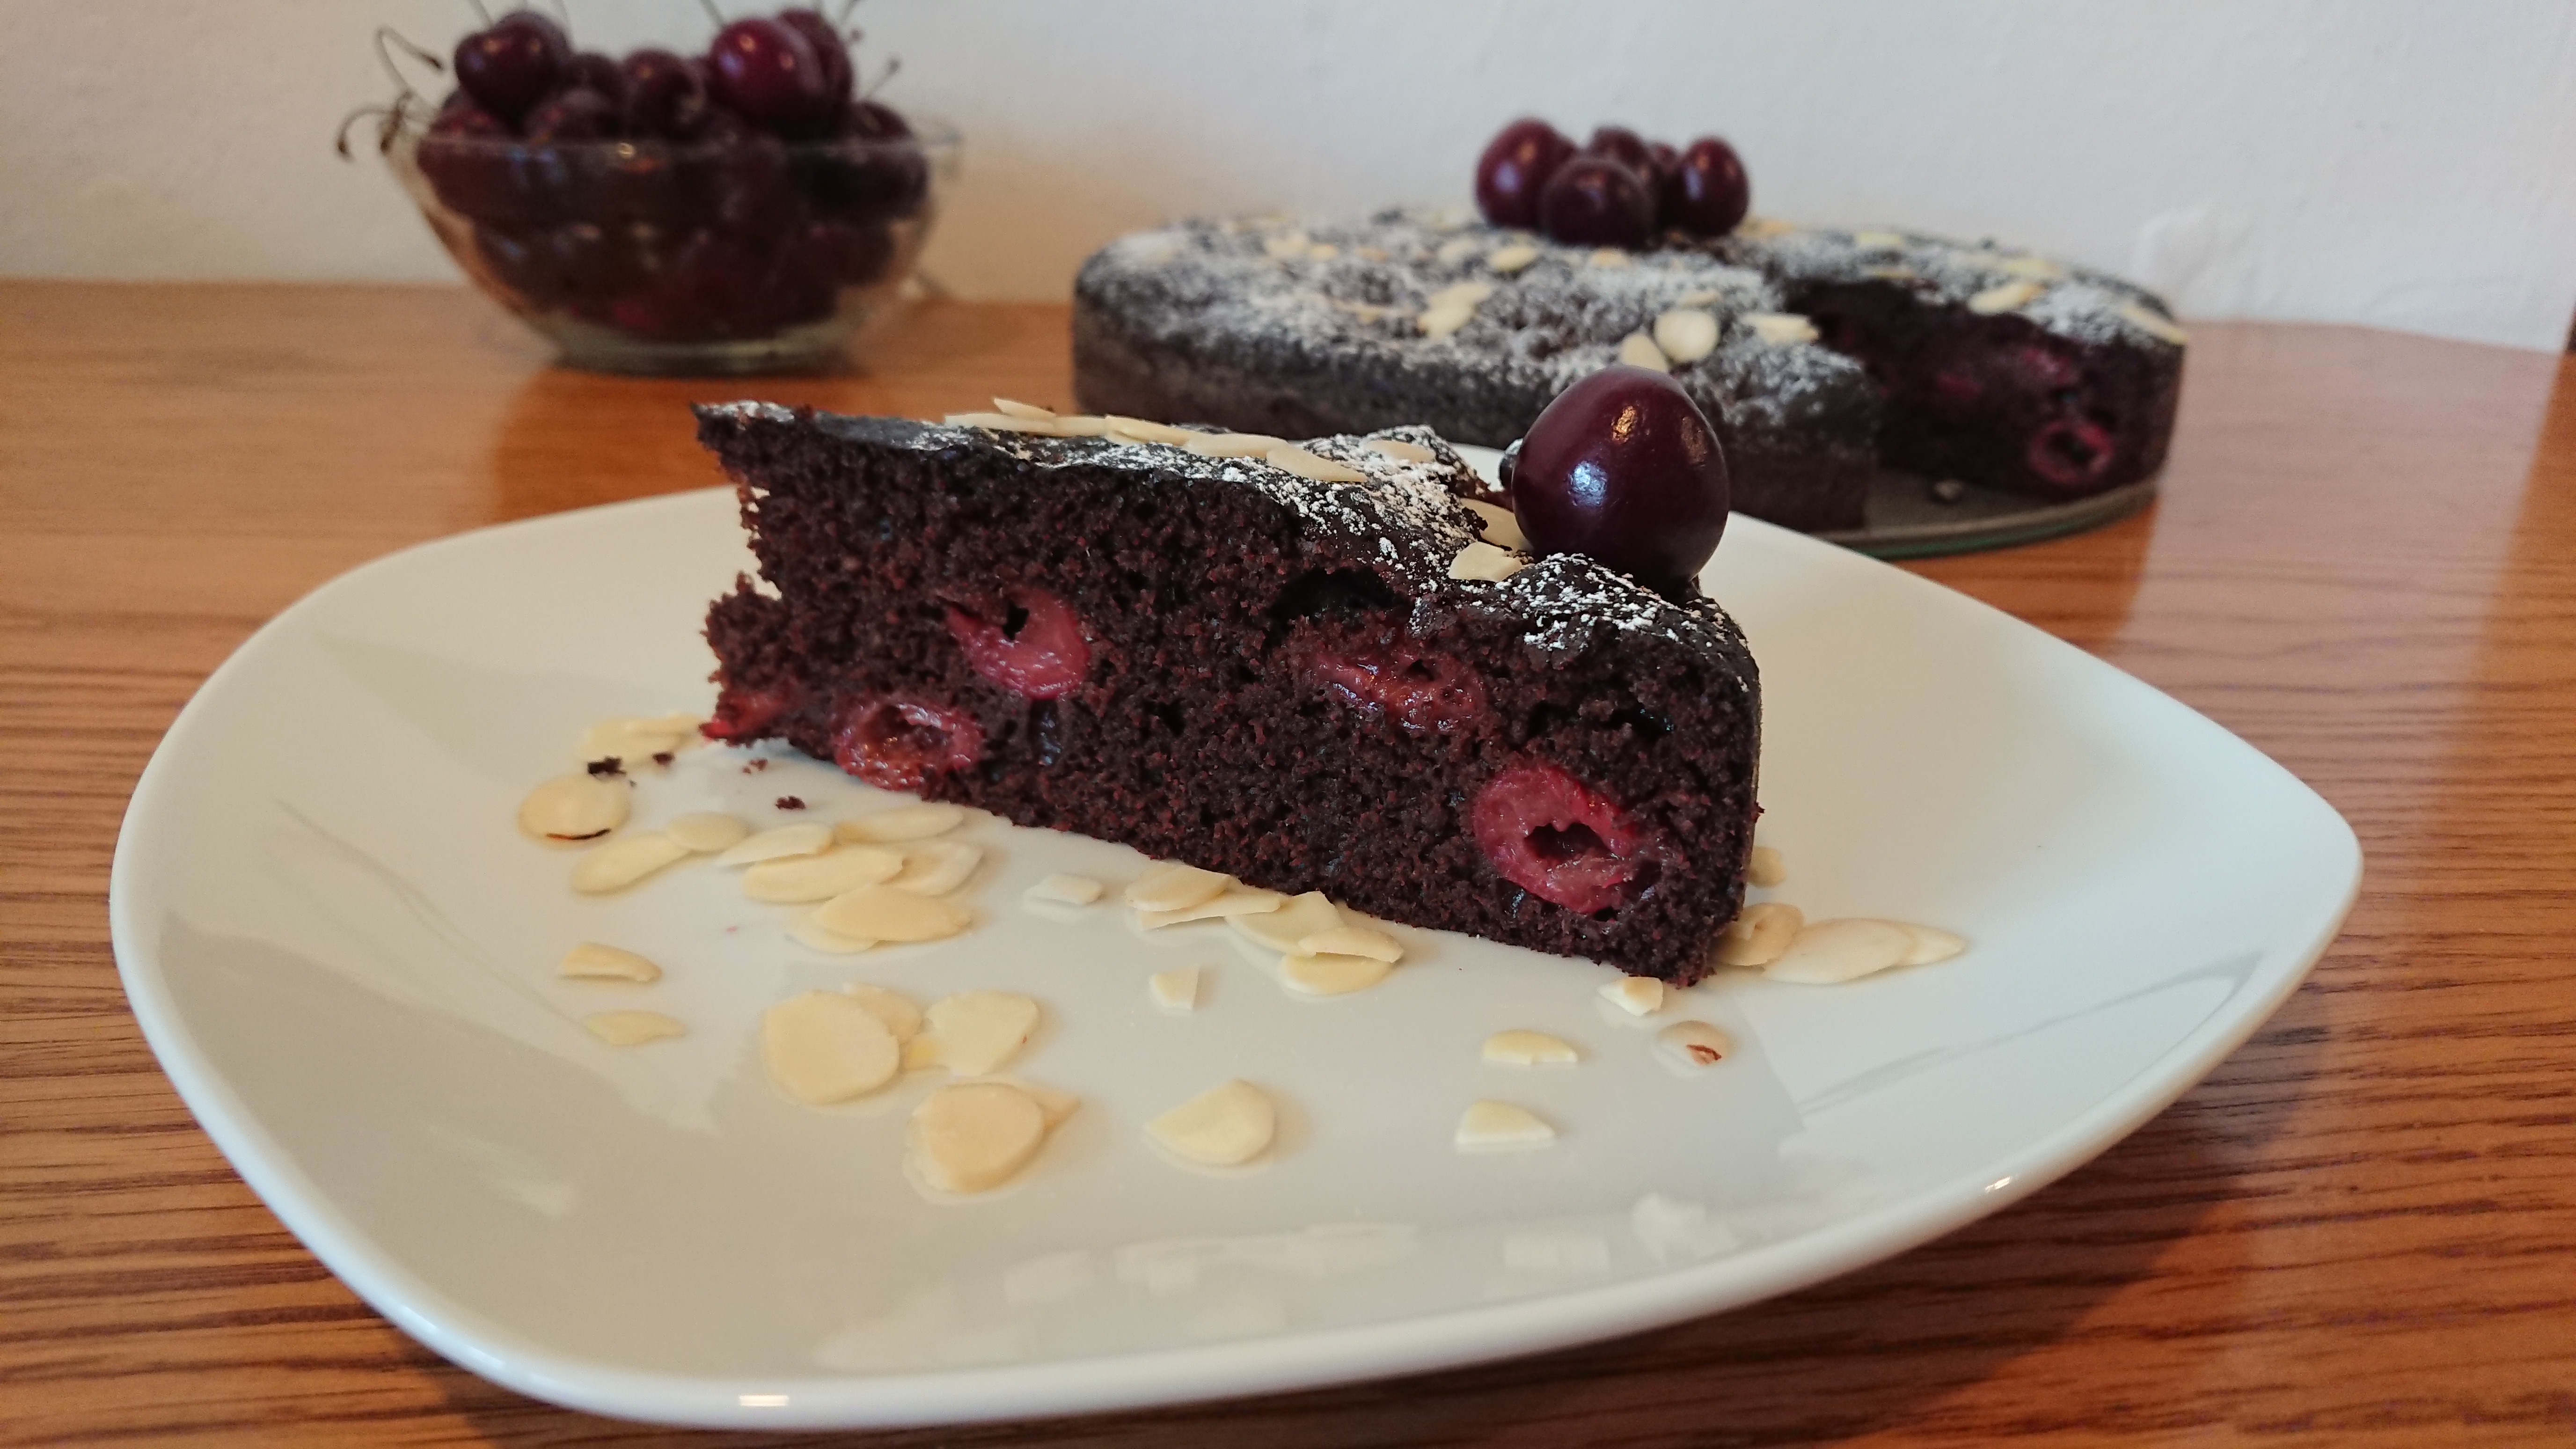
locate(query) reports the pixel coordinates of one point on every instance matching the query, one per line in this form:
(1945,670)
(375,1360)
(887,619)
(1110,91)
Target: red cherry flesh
(896,744)
(1037,650)
(1560,840)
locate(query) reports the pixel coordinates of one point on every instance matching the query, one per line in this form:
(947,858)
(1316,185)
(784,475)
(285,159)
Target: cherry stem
(386,34)
(714,14)
(340,140)
(842,21)
(484,15)
(563,11)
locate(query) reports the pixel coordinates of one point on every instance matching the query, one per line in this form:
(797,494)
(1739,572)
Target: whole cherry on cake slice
(1515,168)
(1623,467)
(1706,193)
(1595,201)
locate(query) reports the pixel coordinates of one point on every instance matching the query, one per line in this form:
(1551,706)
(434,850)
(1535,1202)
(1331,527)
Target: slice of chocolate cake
(1261,664)
(1818,354)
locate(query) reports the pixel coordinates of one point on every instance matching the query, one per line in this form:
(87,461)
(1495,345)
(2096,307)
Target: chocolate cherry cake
(1819,354)
(1302,665)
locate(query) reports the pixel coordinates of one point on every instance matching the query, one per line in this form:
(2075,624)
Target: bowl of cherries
(1616,190)
(746,209)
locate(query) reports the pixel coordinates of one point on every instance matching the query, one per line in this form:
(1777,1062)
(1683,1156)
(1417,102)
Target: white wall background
(2405,165)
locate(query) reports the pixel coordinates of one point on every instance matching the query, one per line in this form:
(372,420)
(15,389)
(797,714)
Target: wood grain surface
(2360,1230)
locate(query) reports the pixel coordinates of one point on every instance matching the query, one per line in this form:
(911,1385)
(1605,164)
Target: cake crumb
(790,802)
(606,769)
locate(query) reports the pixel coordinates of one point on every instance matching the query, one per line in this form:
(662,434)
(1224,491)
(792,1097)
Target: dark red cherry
(513,65)
(1593,201)
(1036,650)
(591,71)
(466,161)
(1624,467)
(1623,146)
(575,115)
(876,121)
(896,744)
(769,74)
(1707,193)
(1562,841)
(831,50)
(664,95)
(1515,169)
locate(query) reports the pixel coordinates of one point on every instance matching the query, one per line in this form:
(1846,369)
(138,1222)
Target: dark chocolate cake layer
(1220,661)
(1815,353)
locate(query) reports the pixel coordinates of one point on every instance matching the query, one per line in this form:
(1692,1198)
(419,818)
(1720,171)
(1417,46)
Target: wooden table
(2361,1229)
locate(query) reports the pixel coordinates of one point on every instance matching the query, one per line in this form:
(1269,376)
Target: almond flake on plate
(1524,1048)
(591,961)
(971,1137)
(1234,900)
(569,809)
(891,1007)
(1176,990)
(1635,995)
(707,831)
(1351,940)
(778,842)
(823,1047)
(936,867)
(1065,890)
(977,1031)
(1169,886)
(904,822)
(1331,975)
(1282,929)
(1829,952)
(796,880)
(804,932)
(1227,1125)
(621,863)
(1759,934)
(1694,1046)
(1765,866)
(882,913)
(1501,1127)
(633,1028)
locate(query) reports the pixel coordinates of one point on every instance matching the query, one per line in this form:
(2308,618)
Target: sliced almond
(1225,1126)
(1286,247)
(1765,866)
(779,842)
(904,822)
(936,867)
(977,1031)
(2153,323)
(633,1028)
(591,961)
(1760,228)
(1694,1045)
(1481,560)
(1175,990)
(1172,885)
(1639,350)
(882,913)
(707,831)
(1501,527)
(1055,1103)
(1609,257)
(1444,321)
(1351,940)
(1512,258)
(1016,409)
(569,809)
(1700,298)
(634,742)
(1322,251)
(1845,950)
(1082,425)
(1760,934)
(1233,445)
(1781,329)
(823,1047)
(1234,900)
(1686,334)
(1931,944)
(804,932)
(1635,995)
(1400,449)
(891,1007)
(1501,1127)
(1331,975)
(1143,430)
(797,880)
(1469,294)
(1522,1048)
(920,1053)
(999,423)
(1458,249)
(1294,921)
(1312,465)
(2036,268)
(1068,890)
(621,863)
(2010,297)
(974,1136)
(1880,240)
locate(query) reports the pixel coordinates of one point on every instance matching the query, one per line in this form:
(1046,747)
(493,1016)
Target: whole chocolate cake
(1818,354)
(1300,665)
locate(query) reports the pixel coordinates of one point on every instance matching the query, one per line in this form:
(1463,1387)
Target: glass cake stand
(1911,516)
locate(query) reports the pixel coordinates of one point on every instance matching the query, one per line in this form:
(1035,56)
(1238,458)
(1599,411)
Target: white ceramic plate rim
(1285,1362)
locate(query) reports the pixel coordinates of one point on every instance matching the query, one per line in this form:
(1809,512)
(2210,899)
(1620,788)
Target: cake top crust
(1405,517)
(1418,288)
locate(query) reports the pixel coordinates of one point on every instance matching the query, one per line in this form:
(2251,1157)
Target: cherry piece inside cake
(1252,656)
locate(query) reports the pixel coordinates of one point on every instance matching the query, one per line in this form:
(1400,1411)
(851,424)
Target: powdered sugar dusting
(2076,303)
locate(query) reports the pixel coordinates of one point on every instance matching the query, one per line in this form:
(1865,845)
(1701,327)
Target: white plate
(342,952)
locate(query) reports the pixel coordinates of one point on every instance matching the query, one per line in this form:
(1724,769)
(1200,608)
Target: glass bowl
(750,255)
